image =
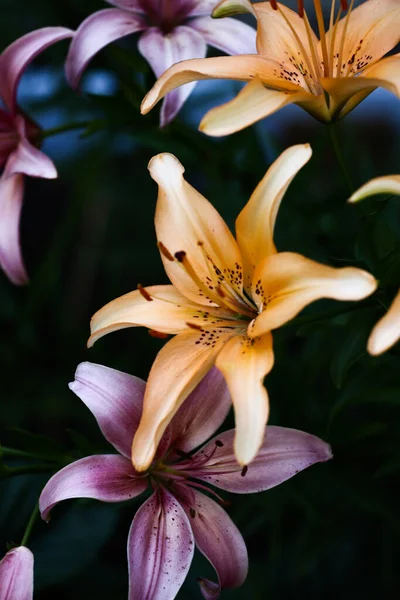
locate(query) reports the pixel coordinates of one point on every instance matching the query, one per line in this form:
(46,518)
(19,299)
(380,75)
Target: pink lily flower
(178,515)
(172,30)
(19,138)
(16,575)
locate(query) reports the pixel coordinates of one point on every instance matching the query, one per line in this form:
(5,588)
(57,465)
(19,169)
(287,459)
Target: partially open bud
(16,575)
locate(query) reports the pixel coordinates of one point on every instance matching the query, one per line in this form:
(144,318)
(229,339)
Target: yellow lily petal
(186,221)
(239,68)
(275,37)
(372,30)
(254,102)
(177,369)
(389,184)
(387,331)
(166,311)
(244,364)
(342,89)
(255,224)
(287,282)
(387,70)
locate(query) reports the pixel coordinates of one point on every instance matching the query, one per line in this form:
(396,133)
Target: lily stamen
(144,293)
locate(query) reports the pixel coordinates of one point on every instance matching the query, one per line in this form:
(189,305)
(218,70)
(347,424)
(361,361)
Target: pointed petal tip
(163,165)
(229,8)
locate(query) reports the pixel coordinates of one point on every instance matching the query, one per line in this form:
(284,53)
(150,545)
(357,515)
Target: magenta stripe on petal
(106,477)
(11,196)
(115,399)
(161,51)
(96,32)
(160,548)
(16,57)
(218,538)
(16,575)
(283,454)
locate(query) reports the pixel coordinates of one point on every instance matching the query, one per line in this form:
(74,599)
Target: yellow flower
(326,77)
(387,331)
(226,297)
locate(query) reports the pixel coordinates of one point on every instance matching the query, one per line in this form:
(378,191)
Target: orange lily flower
(327,77)
(387,330)
(226,297)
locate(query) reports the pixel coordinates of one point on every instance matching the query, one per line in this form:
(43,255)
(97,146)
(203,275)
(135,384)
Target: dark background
(88,237)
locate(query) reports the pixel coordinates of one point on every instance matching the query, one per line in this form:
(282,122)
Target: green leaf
(352,346)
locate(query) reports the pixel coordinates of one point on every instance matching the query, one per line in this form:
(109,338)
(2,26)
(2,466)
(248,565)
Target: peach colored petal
(167,312)
(254,102)
(244,363)
(186,222)
(371,30)
(239,68)
(343,89)
(389,184)
(275,37)
(287,282)
(387,70)
(387,330)
(256,222)
(177,369)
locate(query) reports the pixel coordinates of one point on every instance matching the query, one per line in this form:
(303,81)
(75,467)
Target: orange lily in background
(327,77)
(226,297)
(387,331)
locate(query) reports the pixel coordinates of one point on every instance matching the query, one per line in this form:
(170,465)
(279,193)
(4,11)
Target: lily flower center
(165,14)
(222,287)
(325,59)
(182,468)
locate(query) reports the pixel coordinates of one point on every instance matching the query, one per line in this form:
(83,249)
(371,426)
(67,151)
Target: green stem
(6,472)
(30,525)
(23,454)
(329,315)
(67,127)
(333,134)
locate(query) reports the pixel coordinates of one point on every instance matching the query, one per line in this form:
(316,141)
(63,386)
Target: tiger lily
(177,515)
(226,297)
(327,77)
(19,141)
(16,575)
(170,31)
(387,331)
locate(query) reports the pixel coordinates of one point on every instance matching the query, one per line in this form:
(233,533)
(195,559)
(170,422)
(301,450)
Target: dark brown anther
(165,252)
(219,443)
(300,8)
(144,293)
(344,4)
(244,470)
(158,334)
(194,326)
(180,256)
(274,4)
(192,512)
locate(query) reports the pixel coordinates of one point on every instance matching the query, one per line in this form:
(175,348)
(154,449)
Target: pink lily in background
(172,30)
(16,575)
(19,137)
(177,515)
